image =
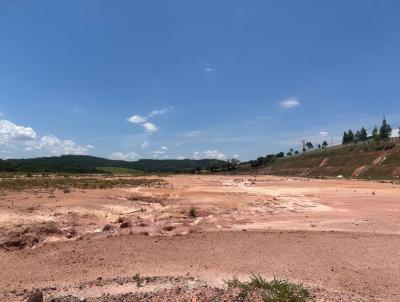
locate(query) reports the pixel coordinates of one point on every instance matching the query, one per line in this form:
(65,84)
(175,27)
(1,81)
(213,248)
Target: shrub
(269,291)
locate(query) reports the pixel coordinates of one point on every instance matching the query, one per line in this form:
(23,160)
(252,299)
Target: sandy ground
(338,237)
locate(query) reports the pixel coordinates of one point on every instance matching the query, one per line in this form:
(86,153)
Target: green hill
(91,164)
(367,161)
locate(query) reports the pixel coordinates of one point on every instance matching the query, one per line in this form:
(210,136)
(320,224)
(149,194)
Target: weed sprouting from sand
(269,291)
(139,280)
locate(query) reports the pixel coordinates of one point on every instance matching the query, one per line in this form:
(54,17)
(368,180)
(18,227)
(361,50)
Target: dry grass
(81,182)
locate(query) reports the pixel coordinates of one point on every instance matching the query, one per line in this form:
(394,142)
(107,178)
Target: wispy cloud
(144,145)
(323,133)
(131,156)
(261,119)
(209,69)
(159,152)
(193,134)
(210,154)
(290,103)
(161,111)
(266,117)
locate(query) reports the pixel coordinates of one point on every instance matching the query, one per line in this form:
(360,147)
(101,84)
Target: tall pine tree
(350,136)
(364,134)
(358,136)
(385,130)
(345,139)
(375,134)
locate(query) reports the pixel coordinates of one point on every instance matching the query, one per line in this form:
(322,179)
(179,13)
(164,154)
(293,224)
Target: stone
(125,224)
(36,296)
(107,227)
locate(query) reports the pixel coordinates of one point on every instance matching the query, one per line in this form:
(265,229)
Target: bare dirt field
(179,238)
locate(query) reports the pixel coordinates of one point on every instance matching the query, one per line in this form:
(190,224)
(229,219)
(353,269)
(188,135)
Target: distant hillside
(368,161)
(91,164)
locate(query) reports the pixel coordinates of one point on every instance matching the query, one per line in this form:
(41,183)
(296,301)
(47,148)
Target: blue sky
(193,79)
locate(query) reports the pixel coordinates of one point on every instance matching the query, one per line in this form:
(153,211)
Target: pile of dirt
(29,236)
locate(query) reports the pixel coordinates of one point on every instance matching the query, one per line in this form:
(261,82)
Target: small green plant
(139,280)
(269,291)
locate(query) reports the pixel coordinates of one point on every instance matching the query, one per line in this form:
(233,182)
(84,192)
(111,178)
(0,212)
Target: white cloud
(180,157)
(164,148)
(150,127)
(59,147)
(323,133)
(10,131)
(143,121)
(209,69)
(161,111)
(214,154)
(160,154)
(21,139)
(210,154)
(131,156)
(236,156)
(136,119)
(144,145)
(395,132)
(290,103)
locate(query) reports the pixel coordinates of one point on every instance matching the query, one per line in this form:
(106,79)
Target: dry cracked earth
(180,239)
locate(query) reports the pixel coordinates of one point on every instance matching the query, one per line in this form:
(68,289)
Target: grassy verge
(56,182)
(117,170)
(268,291)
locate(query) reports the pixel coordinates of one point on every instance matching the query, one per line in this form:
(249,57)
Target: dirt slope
(352,161)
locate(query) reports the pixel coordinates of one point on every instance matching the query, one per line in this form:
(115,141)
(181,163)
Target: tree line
(382,134)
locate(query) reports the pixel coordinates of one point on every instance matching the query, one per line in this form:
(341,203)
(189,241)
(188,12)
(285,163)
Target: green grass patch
(269,291)
(119,170)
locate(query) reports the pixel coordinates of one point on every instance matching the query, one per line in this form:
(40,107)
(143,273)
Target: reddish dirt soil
(341,238)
